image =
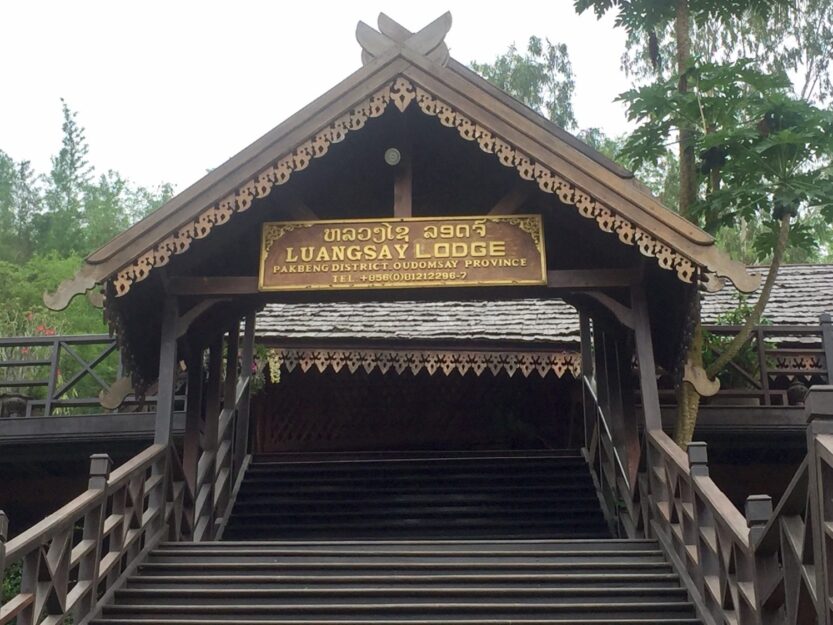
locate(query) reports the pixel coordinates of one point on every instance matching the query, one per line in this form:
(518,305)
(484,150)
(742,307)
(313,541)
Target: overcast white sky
(168,89)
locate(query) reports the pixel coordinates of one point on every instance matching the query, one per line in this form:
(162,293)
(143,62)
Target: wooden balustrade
(223,453)
(774,358)
(76,555)
(761,568)
(43,376)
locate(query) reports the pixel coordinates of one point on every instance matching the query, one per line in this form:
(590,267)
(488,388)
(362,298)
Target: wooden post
(403,181)
(645,356)
(193,416)
(167,373)
(225,435)
(4,536)
(819,411)
(206,468)
(630,424)
(826,321)
(88,568)
(614,406)
(761,349)
(600,368)
(698,459)
(54,365)
(587,375)
(758,510)
(241,436)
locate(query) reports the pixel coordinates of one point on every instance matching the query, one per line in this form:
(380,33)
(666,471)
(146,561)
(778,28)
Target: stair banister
(122,515)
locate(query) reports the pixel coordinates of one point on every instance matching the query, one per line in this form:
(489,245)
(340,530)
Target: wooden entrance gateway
(414,179)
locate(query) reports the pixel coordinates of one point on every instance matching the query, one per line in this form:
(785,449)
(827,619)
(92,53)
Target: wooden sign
(402,253)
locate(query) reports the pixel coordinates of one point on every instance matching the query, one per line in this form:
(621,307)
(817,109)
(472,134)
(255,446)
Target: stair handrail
(794,544)
(606,467)
(220,467)
(73,558)
(705,535)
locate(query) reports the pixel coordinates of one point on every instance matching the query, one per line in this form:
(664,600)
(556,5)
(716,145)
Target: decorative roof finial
(429,42)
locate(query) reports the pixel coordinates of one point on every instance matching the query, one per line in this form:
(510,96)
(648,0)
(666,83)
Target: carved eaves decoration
(402,92)
(432,361)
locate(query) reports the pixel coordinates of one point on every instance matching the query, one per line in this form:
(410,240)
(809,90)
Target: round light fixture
(392,156)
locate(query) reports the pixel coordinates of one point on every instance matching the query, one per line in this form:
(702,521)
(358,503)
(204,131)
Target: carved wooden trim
(415,361)
(401,92)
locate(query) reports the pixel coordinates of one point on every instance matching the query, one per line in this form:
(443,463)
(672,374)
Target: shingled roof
(801,293)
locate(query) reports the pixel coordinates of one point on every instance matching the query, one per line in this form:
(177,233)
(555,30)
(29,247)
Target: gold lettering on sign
(403,253)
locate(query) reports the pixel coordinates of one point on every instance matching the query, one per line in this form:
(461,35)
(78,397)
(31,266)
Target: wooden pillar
(403,181)
(600,368)
(225,439)
(587,375)
(819,411)
(167,373)
(613,383)
(193,416)
(233,346)
(206,468)
(645,356)
(630,424)
(826,321)
(4,536)
(88,567)
(241,436)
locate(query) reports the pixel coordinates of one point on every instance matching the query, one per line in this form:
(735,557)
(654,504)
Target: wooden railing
(55,375)
(760,568)
(794,553)
(774,358)
(72,558)
(73,561)
(608,469)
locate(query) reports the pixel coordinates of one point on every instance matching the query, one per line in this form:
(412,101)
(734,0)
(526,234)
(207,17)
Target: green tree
(59,225)
(48,223)
(542,78)
(19,201)
(764,154)
(112,204)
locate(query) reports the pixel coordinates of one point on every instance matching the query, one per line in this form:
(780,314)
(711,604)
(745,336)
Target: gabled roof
(406,69)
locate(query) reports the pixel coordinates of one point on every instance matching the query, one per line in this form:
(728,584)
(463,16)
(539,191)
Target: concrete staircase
(469,539)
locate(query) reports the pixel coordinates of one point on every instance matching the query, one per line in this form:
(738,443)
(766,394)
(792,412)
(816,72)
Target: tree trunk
(688,401)
(758,309)
(688,171)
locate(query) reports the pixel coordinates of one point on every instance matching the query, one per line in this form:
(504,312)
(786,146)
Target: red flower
(41,328)
(24,350)
(49,332)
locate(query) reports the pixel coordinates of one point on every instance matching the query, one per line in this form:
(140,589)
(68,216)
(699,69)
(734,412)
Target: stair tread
(493,538)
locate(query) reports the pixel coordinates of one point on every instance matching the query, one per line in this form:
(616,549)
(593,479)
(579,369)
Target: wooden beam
(212,286)
(645,356)
(403,184)
(512,201)
(622,313)
(191,315)
(564,279)
(580,279)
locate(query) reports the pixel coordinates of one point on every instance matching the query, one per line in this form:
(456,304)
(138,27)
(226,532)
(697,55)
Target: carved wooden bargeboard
(403,253)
